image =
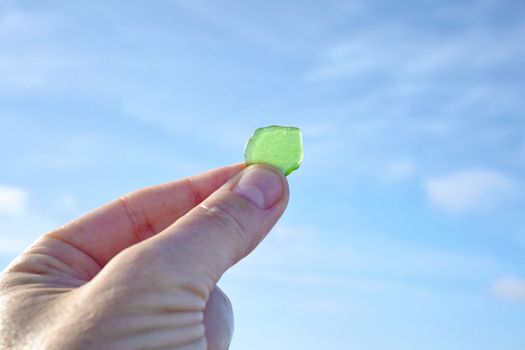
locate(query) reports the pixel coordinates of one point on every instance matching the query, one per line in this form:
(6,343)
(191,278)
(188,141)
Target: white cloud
(509,288)
(13,200)
(471,190)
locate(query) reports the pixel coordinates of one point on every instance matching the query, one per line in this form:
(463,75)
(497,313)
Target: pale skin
(141,271)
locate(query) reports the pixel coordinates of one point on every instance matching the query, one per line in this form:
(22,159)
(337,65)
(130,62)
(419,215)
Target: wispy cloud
(21,223)
(385,261)
(328,306)
(29,66)
(509,288)
(35,70)
(398,51)
(18,232)
(15,21)
(13,200)
(71,152)
(290,30)
(471,190)
(400,169)
(20,226)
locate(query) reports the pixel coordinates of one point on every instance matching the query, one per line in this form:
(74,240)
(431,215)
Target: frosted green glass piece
(280,146)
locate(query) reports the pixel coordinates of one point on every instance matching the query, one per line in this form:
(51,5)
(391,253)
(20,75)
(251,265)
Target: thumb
(228,225)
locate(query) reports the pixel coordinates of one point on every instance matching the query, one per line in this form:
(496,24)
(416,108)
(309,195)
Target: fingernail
(261,186)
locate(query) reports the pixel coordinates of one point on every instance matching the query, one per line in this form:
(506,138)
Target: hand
(141,271)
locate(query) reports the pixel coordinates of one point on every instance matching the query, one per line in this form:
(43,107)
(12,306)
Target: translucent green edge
(286,171)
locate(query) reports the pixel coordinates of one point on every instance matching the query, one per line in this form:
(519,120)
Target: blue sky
(405,227)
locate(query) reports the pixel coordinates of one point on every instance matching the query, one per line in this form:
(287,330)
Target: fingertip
(218,320)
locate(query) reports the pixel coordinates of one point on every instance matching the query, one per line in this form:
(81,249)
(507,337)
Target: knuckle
(228,220)
(139,222)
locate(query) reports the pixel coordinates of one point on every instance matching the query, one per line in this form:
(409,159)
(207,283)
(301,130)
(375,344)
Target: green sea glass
(280,146)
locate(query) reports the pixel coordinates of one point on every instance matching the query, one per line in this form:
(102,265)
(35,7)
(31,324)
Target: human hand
(141,271)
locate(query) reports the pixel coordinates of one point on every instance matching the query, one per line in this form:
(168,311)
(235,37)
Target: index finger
(106,231)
